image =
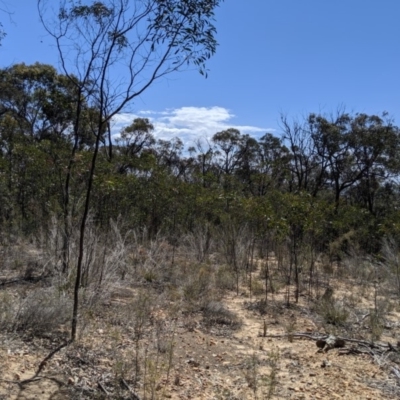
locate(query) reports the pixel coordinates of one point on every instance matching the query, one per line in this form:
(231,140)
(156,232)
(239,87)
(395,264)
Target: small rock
(333,342)
(193,363)
(325,363)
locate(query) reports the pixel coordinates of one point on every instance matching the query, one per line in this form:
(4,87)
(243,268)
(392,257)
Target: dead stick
(101,386)
(44,361)
(307,336)
(135,396)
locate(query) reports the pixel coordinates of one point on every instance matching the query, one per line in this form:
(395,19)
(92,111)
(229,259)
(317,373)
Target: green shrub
(225,279)
(332,313)
(216,313)
(41,312)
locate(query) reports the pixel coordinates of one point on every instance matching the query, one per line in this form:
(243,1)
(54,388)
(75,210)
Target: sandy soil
(205,362)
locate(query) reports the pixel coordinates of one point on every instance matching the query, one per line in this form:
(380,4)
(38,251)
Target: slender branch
(323,337)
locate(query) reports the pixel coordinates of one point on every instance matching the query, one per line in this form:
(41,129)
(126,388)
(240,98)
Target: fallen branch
(134,395)
(298,335)
(25,280)
(51,354)
(38,378)
(34,379)
(44,362)
(372,345)
(396,372)
(101,386)
(352,350)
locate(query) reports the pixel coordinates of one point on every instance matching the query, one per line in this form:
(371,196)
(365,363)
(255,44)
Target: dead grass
(172,326)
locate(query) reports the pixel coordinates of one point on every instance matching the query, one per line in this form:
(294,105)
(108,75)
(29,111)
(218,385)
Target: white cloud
(187,123)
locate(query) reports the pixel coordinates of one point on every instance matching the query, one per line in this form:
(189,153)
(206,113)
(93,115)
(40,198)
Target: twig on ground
(135,396)
(380,346)
(101,386)
(396,372)
(43,363)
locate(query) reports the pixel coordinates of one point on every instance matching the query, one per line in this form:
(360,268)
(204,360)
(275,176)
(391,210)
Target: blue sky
(274,56)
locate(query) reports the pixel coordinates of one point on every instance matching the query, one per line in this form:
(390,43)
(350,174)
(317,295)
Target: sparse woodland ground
(132,267)
(158,321)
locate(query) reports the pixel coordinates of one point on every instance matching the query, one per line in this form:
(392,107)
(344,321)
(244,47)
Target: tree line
(332,177)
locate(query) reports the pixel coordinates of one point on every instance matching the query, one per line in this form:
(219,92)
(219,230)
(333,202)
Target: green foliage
(2,33)
(196,41)
(376,325)
(197,291)
(156,186)
(225,279)
(332,312)
(215,313)
(41,313)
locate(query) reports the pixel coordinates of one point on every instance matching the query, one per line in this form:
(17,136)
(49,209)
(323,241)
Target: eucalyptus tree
(204,168)
(169,155)
(36,114)
(3,10)
(359,150)
(38,98)
(134,139)
(249,150)
(299,143)
(375,144)
(228,149)
(117,49)
(332,141)
(273,164)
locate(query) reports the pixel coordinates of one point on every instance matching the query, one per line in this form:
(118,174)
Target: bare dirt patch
(144,341)
(214,362)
